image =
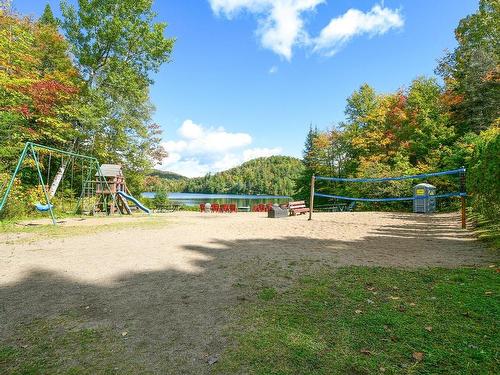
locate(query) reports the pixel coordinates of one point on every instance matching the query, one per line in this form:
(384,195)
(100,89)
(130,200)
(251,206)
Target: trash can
(427,204)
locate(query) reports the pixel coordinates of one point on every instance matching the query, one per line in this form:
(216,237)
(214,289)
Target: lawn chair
(215,207)
(233,208)
(225,208)
(202,207)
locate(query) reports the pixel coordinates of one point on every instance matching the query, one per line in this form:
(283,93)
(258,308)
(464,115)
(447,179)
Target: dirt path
(170,287)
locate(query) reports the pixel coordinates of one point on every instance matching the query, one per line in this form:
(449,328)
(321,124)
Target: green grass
(55,231)
(61,346)
(360,320)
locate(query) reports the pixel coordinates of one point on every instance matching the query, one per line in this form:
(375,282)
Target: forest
(274,175)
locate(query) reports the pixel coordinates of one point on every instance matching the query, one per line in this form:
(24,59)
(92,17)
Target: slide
(135,201)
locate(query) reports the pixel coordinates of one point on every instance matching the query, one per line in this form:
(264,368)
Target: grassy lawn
(353,320)
(360,320)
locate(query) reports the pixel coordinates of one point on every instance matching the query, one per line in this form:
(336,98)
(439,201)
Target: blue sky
(248,76)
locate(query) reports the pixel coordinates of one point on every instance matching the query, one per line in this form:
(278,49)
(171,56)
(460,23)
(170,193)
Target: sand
(172,286)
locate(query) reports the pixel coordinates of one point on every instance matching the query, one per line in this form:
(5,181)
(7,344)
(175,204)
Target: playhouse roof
(109,170)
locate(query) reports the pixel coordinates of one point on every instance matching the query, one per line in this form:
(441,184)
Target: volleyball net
(316,191)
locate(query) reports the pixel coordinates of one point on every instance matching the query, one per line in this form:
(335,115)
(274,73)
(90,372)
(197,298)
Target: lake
(241,200)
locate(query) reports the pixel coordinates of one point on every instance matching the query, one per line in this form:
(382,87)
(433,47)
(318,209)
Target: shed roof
(425,185)
(109,170)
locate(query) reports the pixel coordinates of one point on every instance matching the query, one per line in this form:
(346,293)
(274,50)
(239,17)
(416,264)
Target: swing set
(81,180)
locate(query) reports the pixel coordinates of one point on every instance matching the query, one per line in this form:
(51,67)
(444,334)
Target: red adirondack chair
(215,207)
(202,207)
(225,207)
(233,208)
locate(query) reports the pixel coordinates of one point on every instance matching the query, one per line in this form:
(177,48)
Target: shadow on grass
(171,321)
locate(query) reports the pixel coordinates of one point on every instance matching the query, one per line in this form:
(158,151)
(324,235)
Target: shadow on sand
(174,320)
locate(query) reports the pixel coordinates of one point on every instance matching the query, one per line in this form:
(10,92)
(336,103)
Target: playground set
(99,188)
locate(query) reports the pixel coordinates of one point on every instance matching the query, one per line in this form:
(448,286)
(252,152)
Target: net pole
(462,199)
(311,198)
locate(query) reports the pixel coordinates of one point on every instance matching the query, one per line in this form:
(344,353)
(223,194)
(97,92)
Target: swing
(43,207)
(40,206)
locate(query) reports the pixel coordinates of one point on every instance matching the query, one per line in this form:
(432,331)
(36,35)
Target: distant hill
(273,175)
(168,175)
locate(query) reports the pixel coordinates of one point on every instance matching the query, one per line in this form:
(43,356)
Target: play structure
(424,196)
(115,185)
(82,185)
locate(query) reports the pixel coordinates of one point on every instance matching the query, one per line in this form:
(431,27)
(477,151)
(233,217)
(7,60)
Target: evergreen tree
(47,17)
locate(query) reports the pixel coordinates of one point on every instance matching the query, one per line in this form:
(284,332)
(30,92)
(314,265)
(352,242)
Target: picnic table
(244,209)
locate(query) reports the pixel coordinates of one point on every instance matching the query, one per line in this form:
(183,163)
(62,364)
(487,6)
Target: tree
(47,17)
(116,45)
(472,72)
(38,86)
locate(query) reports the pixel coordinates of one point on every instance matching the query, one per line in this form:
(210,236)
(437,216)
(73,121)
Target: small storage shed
(427,204)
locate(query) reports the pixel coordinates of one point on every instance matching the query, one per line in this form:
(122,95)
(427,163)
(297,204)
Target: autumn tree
(472,70)
(38,86)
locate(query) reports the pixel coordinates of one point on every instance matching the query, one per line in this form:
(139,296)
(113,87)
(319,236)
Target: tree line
(274,175)
(428,126)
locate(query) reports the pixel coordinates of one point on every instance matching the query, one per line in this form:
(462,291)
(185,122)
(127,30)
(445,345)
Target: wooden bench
(297,208)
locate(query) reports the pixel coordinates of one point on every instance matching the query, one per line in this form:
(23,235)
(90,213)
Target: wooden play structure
(115,185)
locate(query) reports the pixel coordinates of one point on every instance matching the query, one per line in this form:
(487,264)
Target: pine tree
(47,17)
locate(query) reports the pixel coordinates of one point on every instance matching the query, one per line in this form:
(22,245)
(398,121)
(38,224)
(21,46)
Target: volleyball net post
(462,197)
(311,198)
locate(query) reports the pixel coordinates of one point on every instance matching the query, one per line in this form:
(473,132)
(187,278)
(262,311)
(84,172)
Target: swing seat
(43,207)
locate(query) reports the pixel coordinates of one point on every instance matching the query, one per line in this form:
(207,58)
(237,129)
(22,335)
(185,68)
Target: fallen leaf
(412,304)
(428,328)
(418,356)
(381,369)
(372,288)
(124,333)
(488,293)
(358,311)
(394,297)
(365,351)
(370,301)
(213,359)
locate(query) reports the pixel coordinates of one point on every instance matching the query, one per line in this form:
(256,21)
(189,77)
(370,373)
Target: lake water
(241,200)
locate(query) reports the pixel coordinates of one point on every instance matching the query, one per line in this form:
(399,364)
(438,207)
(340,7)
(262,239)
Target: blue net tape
(382,179)
(448,195)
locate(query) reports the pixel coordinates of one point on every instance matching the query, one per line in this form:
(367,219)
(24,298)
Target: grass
(63,346)
(55,231)
(360,320)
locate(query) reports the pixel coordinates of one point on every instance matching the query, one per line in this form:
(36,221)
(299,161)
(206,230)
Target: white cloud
(273,69)
(281,23)
(340,30)
(204,149)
